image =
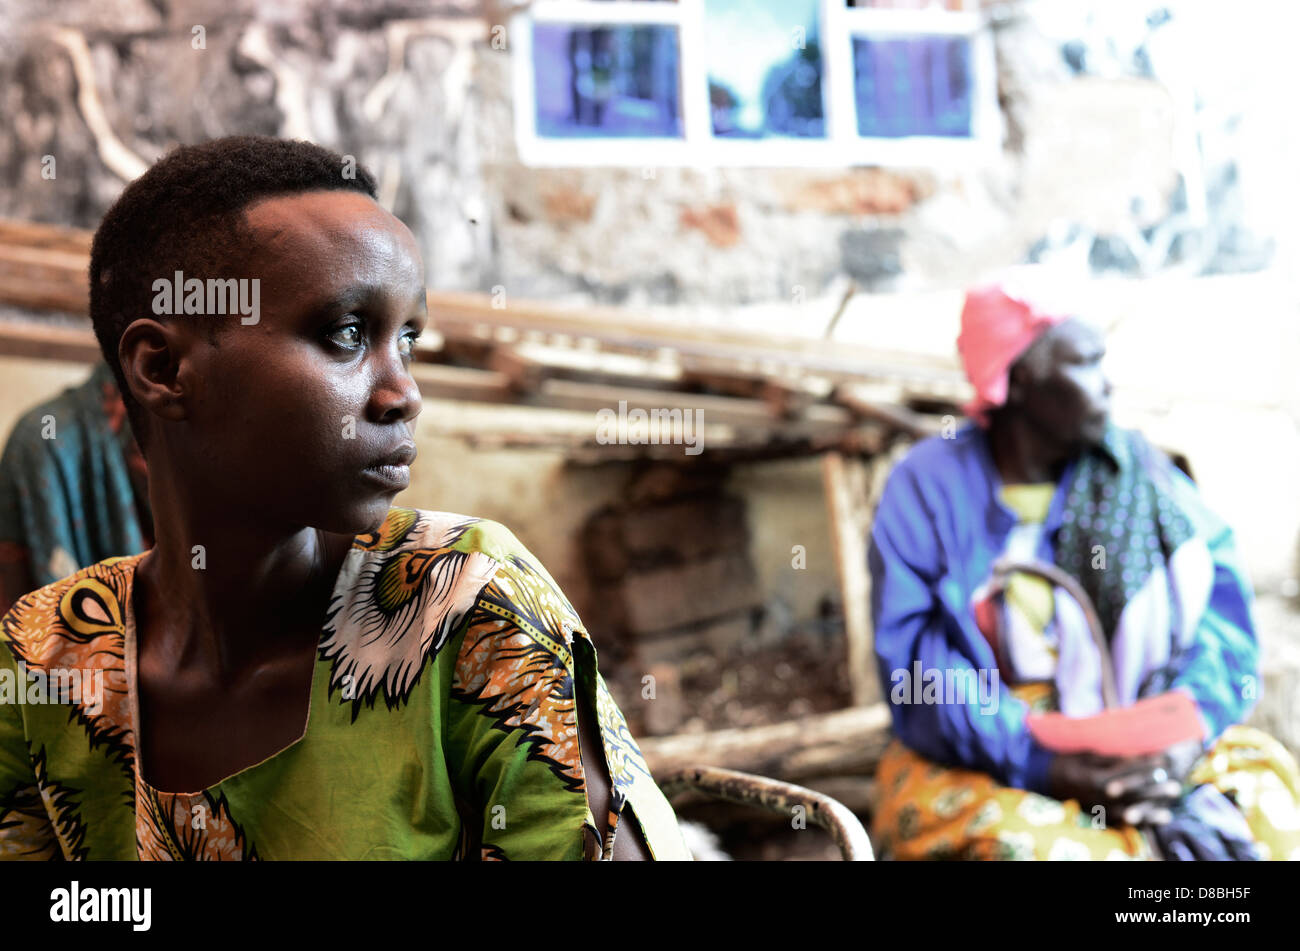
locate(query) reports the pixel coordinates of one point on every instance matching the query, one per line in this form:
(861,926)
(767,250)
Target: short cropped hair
(186,214)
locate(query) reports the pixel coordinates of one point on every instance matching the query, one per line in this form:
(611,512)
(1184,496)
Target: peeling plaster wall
(1107,143)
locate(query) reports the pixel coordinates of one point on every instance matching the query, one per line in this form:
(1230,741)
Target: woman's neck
(1022,454)
(221,594)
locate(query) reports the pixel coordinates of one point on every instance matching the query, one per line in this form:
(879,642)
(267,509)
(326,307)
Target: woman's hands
(1136,790)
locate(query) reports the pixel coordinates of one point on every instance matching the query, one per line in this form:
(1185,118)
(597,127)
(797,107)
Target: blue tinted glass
(765,68)
(913,86)
(606,81)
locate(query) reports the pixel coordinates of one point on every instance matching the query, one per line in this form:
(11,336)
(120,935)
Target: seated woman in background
(298,669)
(73,488)
(1044,477)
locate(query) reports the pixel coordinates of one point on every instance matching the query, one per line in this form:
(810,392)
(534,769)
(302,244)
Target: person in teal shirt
(73,488)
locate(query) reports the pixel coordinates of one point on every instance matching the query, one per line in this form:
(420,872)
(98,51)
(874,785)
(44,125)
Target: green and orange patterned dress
(442,723)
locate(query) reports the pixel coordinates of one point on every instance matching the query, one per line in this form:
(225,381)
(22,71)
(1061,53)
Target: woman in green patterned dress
(297,669)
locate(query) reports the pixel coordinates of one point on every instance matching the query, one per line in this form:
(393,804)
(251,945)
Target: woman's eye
(406,346)
(349,336)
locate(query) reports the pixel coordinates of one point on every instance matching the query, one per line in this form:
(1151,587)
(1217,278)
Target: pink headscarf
(997,326)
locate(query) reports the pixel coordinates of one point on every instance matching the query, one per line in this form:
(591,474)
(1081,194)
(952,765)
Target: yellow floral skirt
(927,811)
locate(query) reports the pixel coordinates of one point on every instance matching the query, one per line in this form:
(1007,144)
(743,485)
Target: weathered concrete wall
(1109,158)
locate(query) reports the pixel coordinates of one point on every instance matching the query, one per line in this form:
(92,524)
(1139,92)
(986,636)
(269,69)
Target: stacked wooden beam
(44,267)
(761,396)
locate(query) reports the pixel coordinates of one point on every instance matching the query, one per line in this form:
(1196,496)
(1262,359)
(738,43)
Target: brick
(567,205)
(720,223)
(679,597)
(658,483)
(603,547)
(685,531)
(865,192)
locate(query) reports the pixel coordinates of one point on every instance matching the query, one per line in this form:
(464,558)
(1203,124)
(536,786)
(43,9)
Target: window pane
(913,86)
(765,68)
(606,81)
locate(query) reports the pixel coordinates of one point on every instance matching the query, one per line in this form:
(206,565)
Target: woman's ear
(150,353)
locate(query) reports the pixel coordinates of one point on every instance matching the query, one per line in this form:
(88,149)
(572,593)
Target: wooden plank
(19,291)
(41,342)
(472,352)
(845,482)
(565,394)
(525,376)
(787,402)
(54,261)
(728,382)
(844,743)
(462,383)
(34,234)
(604,323)
(471,315)
(896,417)
(44,279)
(44,267)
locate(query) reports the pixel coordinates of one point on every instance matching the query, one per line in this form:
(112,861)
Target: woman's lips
(393,471)
(393,477)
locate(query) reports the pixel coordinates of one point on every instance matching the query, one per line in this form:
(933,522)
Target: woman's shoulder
(942,463)
(484,553)
(406,529)
(408,587)
(75,610)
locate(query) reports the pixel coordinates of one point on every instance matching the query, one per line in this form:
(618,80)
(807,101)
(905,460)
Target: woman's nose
(396,396)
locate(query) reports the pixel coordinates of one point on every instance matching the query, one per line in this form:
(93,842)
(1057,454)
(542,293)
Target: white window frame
(535,149)
(698,147)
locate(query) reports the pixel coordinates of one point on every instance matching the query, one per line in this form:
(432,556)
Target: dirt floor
(748,686)
(752,685)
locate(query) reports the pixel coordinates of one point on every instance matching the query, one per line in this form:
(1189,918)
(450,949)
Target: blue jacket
(937,531)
